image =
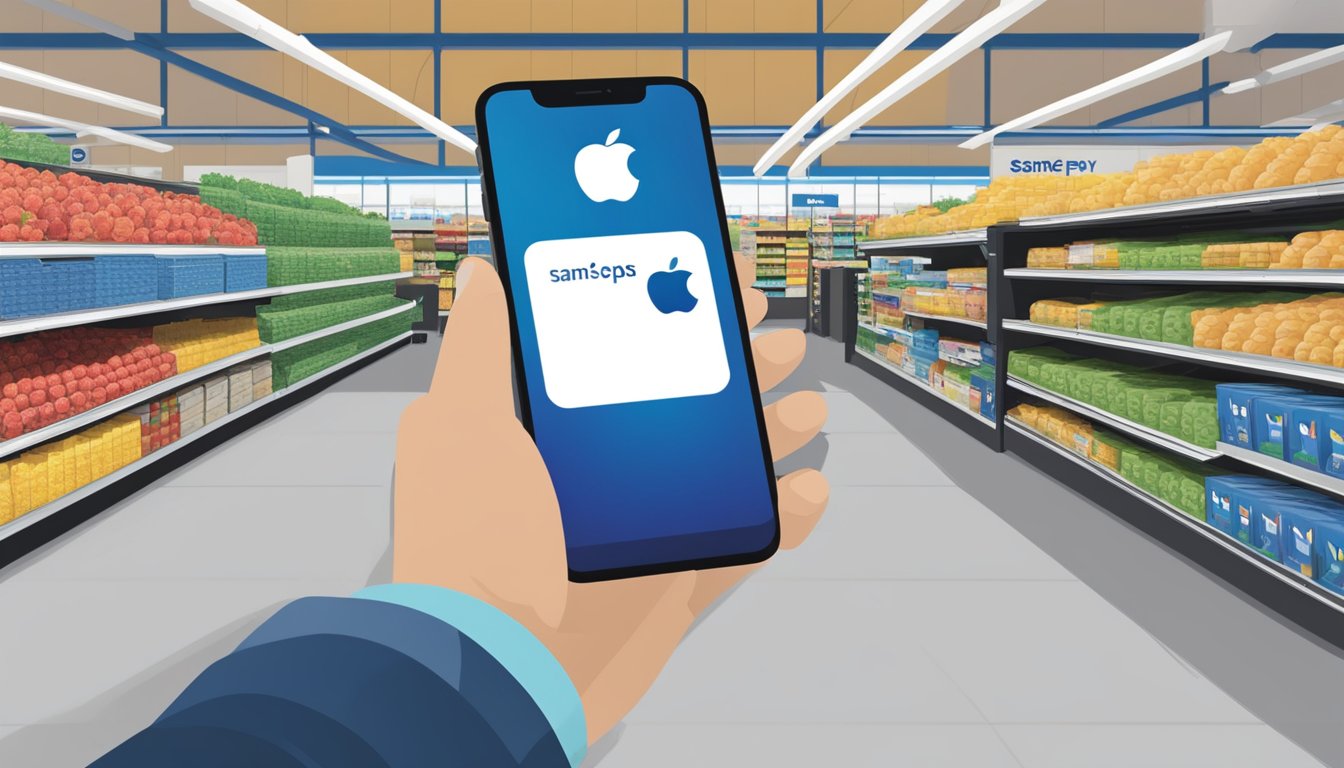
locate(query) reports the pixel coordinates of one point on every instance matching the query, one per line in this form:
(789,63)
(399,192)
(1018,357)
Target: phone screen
(635,368)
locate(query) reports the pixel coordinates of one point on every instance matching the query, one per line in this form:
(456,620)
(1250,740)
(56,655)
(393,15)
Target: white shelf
(1161,439)
(1207,204)
(35,516)
(1247,555)
(969,237)
(173,383)
(1256,363)
(103,314)
(1284,468)
(887,364)
(948,318)
(59,250)
(1314,277)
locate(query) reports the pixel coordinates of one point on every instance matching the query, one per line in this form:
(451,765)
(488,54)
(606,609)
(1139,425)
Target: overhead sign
(1022,159)
(816,201)
(79,156)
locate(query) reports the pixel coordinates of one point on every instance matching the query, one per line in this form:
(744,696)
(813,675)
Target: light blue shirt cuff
(513,646)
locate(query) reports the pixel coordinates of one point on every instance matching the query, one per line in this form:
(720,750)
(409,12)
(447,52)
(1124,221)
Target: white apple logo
(603,171)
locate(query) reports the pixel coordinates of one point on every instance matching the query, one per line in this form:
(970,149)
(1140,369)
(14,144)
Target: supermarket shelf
(55,250)
(1280,589)
(1320,277)
(1286,469)
(103,314)
(972,423)
(1261,364)
(1303,193)
(26,521)
(969,237)
(173,383)
(1160,439)
(949,319)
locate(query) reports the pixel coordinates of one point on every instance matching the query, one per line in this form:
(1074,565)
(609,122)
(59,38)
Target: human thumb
(473,366)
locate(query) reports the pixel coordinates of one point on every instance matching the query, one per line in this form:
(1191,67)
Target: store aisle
(917,627)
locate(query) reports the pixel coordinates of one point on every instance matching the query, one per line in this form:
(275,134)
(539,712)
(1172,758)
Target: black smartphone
(632,354)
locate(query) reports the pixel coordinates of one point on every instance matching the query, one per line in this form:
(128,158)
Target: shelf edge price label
(79,155)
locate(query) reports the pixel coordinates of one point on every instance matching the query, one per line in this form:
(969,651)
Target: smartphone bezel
(592,92)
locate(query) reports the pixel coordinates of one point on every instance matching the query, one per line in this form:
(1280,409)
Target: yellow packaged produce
(41,481)
(6,494)
(1048,258)
(21,484)
(83,460)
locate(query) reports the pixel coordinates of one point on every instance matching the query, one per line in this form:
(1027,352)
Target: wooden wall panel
(731,152)
(183,18)
(955,97)
(658,62)
(135,15)
(1153,15)
(785,86)
(467,73)
(1064,16)
(727,79)
(864,15)
(752,16)
(122,72)
(487,16)
(1027,80)
(194,100)
(1118,62)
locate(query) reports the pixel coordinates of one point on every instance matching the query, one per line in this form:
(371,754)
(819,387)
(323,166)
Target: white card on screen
(625,319)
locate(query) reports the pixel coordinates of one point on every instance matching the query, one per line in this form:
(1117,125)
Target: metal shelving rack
(960,249)
(1272,213)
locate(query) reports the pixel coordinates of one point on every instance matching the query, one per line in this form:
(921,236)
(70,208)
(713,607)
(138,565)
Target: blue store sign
(816,201)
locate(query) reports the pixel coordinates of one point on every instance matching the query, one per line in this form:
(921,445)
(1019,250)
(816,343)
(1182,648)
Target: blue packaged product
(1234,410)
(1222,508)
(984,384)
(987,355)
(20,287)
(1300,521)
(1269,418)
(1334,431)
(1330,553)
(1308,441)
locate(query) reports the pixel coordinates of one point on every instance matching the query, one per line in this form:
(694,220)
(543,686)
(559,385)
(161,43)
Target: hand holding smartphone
(631,349)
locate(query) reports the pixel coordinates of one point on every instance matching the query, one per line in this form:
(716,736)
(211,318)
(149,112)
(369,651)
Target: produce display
(1180,406)
(1313,156)
(31,147)
(292,265)
(280,324)
(286,217)
(1178,482)
(1308,250)
(199,342)
(41,206)
(47,377)
(160,424)
(38,477)
(298,363)
(1308,329)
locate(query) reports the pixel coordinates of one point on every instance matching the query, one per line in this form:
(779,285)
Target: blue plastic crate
(244,272)
(180,276)
(125,279)
(20,288)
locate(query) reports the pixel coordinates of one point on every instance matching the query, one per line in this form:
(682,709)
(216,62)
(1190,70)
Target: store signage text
(816,201)
(1056,166)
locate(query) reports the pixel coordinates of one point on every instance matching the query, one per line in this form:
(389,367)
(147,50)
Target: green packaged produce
(1151,477)
(1107,448)
(1199,422)
(1131,463)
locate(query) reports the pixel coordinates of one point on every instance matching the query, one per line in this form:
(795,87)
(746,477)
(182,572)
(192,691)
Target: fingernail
(799,411)
(463,275)
(812,487)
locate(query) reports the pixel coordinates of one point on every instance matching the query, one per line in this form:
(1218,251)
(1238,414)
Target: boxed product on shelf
(216,398)
(160,424)
(191,408)
(1299,523)
(261,379)
(1234,410)
(244,272)
(124,279)
(240,387)
(194,275)
(1309,442)
(1330,549)
(42,475)
(1226,509)
(1272,415)
(198,342)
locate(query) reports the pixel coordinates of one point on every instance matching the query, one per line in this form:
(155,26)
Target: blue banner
(816,201)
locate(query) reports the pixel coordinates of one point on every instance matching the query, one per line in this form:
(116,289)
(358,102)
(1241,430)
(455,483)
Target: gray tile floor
(932,620)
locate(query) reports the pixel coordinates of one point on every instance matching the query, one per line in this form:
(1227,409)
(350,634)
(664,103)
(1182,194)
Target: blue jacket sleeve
(386,681)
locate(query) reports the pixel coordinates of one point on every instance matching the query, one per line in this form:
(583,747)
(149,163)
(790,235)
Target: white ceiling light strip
(974,36)
(83,129)
(234,14)
(1132,79)
(1289,69)
(919,22)
(80,17)
(56,84)
(1317,118)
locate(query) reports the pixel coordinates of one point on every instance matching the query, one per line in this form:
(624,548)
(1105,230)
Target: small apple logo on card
(603,170)
(668,291)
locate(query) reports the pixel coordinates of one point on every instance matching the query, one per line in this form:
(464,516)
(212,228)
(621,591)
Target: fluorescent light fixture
(80,17)
(1136,77)
(919,22)
(1294,68)
(47,82)
(235,15)
(83,129)
(1317,118)
(974,36)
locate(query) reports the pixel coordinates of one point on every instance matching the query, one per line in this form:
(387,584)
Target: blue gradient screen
(651,440)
